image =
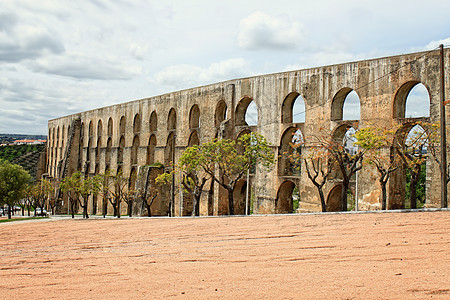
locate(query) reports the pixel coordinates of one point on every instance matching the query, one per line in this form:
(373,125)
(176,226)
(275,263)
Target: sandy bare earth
(333,256)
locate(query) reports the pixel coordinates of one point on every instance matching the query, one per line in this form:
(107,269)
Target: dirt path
(333,256)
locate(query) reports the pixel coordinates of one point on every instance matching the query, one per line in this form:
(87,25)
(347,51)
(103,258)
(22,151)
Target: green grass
(21,219)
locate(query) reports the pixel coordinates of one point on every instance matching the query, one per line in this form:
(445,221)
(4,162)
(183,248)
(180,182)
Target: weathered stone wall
(380,84)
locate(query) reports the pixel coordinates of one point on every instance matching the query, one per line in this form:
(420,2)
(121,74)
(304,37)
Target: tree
(39,193)
(377,142)
(413,154)
(348,163)
(318,168)
(114,188)
(13,182)
(227,161)
(434,145)
(79,188)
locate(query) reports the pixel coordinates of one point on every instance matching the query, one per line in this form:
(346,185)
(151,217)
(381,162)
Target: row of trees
(386,149)
(18,189)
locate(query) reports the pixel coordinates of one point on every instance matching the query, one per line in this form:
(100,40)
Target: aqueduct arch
(382,85)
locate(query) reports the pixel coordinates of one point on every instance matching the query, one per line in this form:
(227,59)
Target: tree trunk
(383,194)
(344,191)
(322,200)
(230,202)
(196,210)
(413,189)
(149,211)
(72,208)
(9,211)
(129,208)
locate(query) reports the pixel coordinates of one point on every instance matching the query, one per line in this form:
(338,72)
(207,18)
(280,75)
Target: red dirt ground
(332,256)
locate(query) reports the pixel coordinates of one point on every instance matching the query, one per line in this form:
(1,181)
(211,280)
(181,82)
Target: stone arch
(133,179)
(153,121)
(120,150)
(110,127)
(135,150)
(220,113)
(100,128)
(293,109)
(151,150)
(194,117)
(168,153)
(345,105)
(62,137)
(172,120)
(97,149)
(91,129)
(286,167)
(401,100)
(108,151)
(334,198)
(241,111)
(137,124)
(122,125)
(193,139)
(285,201)
(239,196)
(413,137)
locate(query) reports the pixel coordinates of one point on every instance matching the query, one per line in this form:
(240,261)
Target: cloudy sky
(62,57)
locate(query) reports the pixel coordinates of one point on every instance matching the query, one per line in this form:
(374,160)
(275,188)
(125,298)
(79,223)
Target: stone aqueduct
(134,134)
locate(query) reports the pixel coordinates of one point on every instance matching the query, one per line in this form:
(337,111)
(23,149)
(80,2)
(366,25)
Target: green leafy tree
(13,182)
(79,188)
(413,154)
(377,142)
(114,188)
(227,161)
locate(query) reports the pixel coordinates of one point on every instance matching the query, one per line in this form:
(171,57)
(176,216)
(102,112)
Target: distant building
(29,142)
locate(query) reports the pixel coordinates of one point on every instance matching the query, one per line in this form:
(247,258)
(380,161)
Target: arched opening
(97,150)
(122,125)
(194,117)
(293,109)
(239,197)
(412,100)
(120,150)
(133,179)
(135,150)
(153,121)
(108,151)
(91,129)
(100,128)
(151,150)
(110,127)
(221,113)
(407,184)
(246,112)
(193,139)
(172,120)
(62,137)
(334,199)
(346,105)
(287,198)
(137,124)
(169,151)
(88,150)
(290,148)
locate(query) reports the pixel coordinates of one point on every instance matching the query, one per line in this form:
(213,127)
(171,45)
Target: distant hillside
(25,155)
(6,138)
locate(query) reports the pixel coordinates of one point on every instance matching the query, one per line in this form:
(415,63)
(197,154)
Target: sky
(62,57)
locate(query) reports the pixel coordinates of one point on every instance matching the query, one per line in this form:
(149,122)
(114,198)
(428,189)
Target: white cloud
(20,41)
(183,76)
(261,31)
(434,44)
(80,66)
